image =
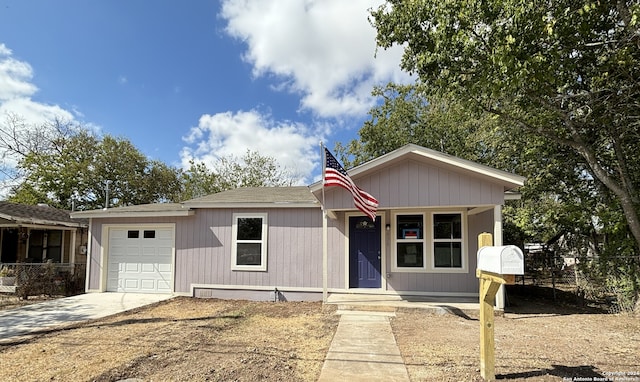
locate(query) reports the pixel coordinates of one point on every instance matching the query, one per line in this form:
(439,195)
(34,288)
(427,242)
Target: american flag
(335,175)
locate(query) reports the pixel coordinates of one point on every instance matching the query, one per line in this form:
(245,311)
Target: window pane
(249,228)
(54,238)
(149,234)
(133,234)
(447,226)
(410,255)
(54,254)
(447,255)
(36,238)
(409,227)
(249,254)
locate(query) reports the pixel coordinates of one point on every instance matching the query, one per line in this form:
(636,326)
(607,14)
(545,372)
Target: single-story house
(40,233)
(257,243)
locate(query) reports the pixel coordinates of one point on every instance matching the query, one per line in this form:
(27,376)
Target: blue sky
(197,79)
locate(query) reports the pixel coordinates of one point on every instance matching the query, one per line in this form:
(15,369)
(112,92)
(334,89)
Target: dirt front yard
(182,339)
(187,339)
(534,341)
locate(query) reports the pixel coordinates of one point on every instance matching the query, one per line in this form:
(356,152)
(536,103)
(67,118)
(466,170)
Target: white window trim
(395,241)
(263,240)
(463,240)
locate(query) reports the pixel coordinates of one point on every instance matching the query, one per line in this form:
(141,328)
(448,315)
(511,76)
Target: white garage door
(140,259)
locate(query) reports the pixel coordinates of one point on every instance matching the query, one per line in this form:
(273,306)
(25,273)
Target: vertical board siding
(203,249)
(293,254)
(336,238)
(416,184)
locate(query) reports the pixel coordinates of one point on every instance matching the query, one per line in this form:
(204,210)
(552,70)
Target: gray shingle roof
(276,195)
(281,197)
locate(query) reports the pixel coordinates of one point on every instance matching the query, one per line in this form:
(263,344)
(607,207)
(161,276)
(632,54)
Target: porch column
(497,241)
(72,252)
(325,260)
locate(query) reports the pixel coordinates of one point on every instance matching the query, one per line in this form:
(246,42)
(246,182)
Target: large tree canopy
(77,168)
(252,170)
(68,166)
(565,71)
(405,115)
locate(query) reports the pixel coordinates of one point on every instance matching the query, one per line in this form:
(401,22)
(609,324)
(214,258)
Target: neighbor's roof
(27,215)
(508,180)
(285,197)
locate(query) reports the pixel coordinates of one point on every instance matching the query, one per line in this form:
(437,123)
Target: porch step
(467,308)
(366,308)
(388,310)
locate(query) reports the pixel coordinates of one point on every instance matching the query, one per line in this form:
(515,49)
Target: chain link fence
(35,279)
(595,282)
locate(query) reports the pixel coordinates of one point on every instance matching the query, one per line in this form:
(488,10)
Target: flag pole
(325,261)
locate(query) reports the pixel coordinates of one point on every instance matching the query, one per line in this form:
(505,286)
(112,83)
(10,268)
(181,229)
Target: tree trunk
(621,192)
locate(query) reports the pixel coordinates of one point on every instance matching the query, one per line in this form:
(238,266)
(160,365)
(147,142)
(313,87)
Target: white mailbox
(504,260)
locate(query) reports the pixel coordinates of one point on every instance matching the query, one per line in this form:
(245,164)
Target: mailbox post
(496,266)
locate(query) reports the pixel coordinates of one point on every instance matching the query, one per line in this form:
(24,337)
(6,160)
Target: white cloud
(323,50)
(14,76)
(16,91)
(292,145)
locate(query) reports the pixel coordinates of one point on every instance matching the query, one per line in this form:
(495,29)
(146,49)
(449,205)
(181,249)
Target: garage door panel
(149,268)
(164,268)
(132,267)
(148,285)
(131,283)
(143,263)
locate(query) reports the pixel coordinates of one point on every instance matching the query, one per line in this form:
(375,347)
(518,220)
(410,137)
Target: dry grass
(535,342)
(187,339)
(182,339)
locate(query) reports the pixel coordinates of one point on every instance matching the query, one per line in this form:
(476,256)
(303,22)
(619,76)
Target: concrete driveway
(69,310)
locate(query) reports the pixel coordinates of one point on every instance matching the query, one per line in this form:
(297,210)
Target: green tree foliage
(252,170)
(564,74)
(67,166)
(17,139)
(556,196)
(76,167)
(198,180)
(405,115)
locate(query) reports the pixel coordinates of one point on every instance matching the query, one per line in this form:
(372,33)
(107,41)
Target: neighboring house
(37,234)
(258,243)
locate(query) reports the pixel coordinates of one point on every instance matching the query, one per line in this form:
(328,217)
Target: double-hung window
(249,250)
(447,241)
(410,243)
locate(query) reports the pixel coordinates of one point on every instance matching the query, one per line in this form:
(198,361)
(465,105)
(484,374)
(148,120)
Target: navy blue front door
(364,252)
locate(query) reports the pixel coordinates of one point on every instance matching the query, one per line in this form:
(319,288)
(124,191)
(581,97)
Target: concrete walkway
(364,349)
(69,310)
